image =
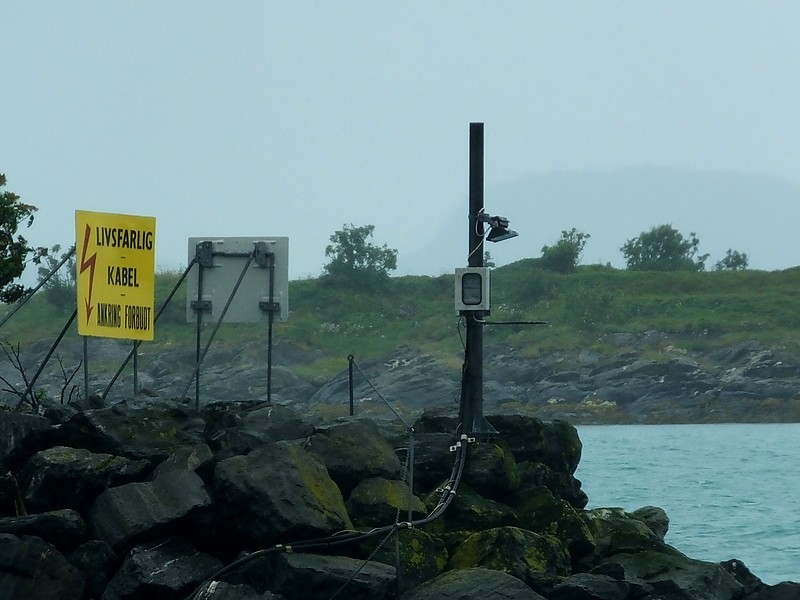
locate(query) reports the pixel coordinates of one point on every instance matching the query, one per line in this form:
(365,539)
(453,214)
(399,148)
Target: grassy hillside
(706,309)
(710,309)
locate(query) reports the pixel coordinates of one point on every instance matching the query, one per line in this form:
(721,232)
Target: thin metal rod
(514,322)
(138,343)
(47,358)
(196,372)
(30,294)
(384,400)
(350,360)
(410,474)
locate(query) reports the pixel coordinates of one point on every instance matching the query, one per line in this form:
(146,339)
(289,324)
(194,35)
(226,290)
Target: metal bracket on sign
(269,306)
(204,251)
(262,254)
(199,305)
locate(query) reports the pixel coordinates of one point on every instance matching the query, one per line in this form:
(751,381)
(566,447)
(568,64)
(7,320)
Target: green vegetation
(354,260)
(565,254)
(708,308)
(733,261)
(14,248)
(663,248)
(705,309)
(57,274)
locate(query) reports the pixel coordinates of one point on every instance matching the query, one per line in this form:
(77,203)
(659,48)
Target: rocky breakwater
(244,500)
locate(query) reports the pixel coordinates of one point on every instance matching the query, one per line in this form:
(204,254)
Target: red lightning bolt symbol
(88,263)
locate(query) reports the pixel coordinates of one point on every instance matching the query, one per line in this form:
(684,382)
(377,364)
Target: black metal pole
(270,323)
(201,356)
(472,419)
(198,329)
(85,365)
(135,368)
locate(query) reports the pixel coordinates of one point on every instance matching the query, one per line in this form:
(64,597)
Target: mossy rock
(563,485)
(675,575)
(469,511)
(655,518)
(278,492)
(378,501)
(540,511)
(421,556)
(151,431)
(353,450)
(617,532)
(473,584)
(539,560)
(491,470)
(85,474)
(554,443)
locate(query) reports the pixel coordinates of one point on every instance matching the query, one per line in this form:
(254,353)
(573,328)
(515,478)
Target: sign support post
(85,367)
(262,264)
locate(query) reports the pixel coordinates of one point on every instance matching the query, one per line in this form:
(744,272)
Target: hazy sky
(293,118)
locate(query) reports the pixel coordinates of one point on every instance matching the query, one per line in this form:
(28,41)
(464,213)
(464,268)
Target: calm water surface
(731,491)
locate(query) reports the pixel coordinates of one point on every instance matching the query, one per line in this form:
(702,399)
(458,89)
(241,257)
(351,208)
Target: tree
(663,248)
(60,287)
(565,254)
(353,258)
(733,261)
(14,251)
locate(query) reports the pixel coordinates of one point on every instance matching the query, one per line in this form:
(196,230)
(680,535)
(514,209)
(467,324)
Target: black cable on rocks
(448,492)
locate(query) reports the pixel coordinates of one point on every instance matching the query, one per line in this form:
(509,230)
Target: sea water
(730,491)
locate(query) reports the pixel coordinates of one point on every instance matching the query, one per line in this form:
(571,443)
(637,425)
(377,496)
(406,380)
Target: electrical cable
(478,232)
(365,563)
(448,493)
(462,321)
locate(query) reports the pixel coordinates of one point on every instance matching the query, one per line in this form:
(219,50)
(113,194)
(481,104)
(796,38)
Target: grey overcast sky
(293,118)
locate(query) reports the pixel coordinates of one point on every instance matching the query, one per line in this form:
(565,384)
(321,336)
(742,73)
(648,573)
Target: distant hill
(755,214)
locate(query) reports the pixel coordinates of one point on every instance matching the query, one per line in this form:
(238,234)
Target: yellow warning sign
(115,264)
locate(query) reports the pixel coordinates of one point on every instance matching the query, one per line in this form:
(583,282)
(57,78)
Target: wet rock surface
(652,377)
(148,498)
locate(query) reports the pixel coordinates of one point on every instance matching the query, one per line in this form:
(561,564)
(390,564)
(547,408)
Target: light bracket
(499,230)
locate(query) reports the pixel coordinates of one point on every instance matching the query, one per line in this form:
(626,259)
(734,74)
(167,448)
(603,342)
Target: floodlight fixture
(499,228)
